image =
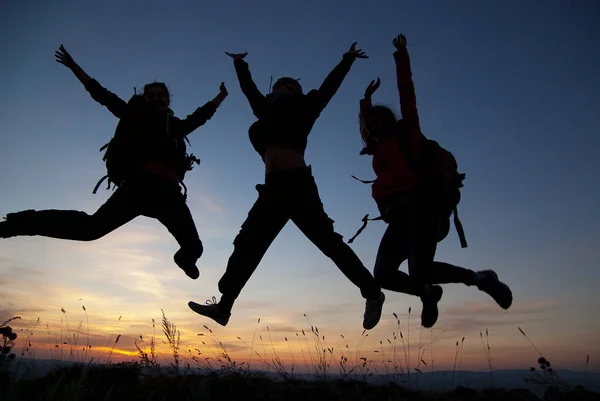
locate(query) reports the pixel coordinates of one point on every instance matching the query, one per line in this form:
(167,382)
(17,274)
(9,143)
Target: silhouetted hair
(288,81)
(388,117)
(389,122)
(161,85)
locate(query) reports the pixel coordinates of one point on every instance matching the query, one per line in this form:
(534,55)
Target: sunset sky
(510,87)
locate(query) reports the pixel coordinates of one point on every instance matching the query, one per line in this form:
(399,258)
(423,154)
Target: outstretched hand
(358,53)
(400,42)
(221,96)
(237,56)
(63,57)
(373,86)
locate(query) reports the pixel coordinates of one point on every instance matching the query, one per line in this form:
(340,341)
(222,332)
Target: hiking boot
(488,282)
(7,228)
(430,299)
(211,310)
(373,312)
(188,267)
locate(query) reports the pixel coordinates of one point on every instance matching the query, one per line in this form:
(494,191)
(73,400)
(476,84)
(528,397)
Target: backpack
(437,162)
(120,153)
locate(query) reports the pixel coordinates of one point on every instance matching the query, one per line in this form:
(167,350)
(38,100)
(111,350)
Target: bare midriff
(278,158)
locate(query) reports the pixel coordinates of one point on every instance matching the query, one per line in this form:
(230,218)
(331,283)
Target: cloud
(284,329)
(144,282)
(207,203)
(231,347)
(487,308)
(24,313)
(476,323)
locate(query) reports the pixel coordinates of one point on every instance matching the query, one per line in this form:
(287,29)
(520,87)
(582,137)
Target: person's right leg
(170,208)
(395,248)
(391,253)
(119,209)
(310,217)
(265,220)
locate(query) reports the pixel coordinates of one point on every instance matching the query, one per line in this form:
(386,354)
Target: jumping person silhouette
(285,119)
(416,191)
(146,159)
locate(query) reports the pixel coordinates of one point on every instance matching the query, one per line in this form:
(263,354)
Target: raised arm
(408,98)
(112,102)
(365,102)
(365,105)
(334,79)
(202,114)
(257,100)
(406,87)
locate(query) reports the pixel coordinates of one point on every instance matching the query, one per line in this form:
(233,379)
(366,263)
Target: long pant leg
(119,209)
(393,250)
(424,226)
(266,219)
(310,217)
(168,206)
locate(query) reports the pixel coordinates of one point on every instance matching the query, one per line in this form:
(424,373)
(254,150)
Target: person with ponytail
(416,190)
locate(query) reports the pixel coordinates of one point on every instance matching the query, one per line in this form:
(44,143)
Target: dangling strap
(363,181)
(100,182)
(459,229)
(184,190)
(365,221)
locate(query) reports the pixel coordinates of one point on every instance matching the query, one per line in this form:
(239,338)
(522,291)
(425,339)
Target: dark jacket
(150,135)
(288,120)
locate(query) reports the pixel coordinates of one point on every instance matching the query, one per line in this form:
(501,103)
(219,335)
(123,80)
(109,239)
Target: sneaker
(373,312)
(430,299)
(188,267)
(211,310)
(488,282)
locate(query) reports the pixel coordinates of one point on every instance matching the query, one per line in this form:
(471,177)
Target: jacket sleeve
(198,118)
(333,81)
(112,102)
(257,100)
(365,105)
(408,101)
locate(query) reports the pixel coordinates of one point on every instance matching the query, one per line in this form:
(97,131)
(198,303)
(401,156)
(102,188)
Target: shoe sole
(441,293)
(199,309)
(379,318)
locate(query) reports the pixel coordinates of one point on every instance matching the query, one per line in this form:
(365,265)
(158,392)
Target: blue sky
(511,88)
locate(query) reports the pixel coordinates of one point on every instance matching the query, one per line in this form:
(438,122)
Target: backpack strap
(184,190)
(459,229)
(100,182)
(365,221)
(363,181)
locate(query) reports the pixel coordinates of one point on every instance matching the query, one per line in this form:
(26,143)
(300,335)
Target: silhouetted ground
(127,382)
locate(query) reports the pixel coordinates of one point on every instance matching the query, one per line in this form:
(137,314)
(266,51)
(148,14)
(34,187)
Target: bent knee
(381,276)
(93,229)
(193,249)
